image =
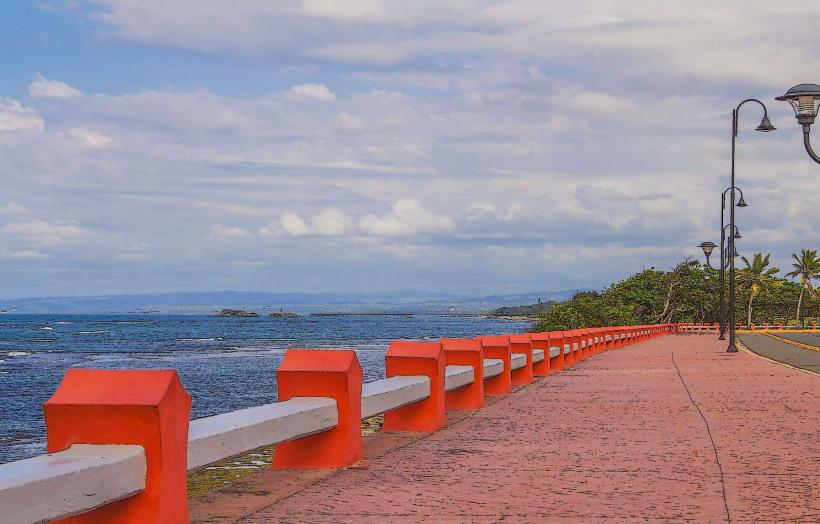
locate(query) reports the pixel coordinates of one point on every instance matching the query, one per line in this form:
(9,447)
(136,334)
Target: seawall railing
(120,441)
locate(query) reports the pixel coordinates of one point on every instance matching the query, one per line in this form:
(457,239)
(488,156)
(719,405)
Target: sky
(375,145)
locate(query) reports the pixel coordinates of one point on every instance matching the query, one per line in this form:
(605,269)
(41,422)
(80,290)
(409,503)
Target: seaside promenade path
(672,429)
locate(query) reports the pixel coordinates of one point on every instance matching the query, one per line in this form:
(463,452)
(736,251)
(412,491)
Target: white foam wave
(17,354)
(98,332)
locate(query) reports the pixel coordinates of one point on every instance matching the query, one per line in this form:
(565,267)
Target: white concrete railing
(79,479)
(221,436)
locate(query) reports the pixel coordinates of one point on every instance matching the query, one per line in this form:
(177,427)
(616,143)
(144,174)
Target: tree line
(690,292)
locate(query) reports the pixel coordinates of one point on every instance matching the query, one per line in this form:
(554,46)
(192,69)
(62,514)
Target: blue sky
(374,145)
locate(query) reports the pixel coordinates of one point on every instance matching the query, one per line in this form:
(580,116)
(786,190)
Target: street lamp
(765,126)
(707,248)
(805,100)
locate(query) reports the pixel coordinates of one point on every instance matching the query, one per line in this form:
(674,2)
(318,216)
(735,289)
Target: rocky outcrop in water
(285,314)
(236,313)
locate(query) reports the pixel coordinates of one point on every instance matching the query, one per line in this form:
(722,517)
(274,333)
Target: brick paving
(673,429)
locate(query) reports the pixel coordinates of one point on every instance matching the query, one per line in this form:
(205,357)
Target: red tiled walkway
(622,435)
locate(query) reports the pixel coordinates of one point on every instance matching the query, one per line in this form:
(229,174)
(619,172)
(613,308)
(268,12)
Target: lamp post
(707,248)
(765,126)
(805,100)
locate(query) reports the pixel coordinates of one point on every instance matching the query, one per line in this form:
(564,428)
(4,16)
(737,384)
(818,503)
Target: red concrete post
(583,343)
(566,340)
(465,352)
(593,335)
(145,407)
(814,325)
(780,325)
(323,373)
(522,344)
(609,344)
(542,341)
(577,354)
(498,346)
(417,358)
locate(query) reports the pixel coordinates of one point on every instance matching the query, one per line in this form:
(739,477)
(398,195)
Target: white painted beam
(222,436)
(458,377)
(518,360)
(567,349)
(554,351)
(70,482)
(537,355)
(388,394)
(493,367)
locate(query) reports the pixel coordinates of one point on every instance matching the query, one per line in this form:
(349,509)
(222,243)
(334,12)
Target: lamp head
(737,233)
(741,202)
(765,125)
(707,248)
(805,100)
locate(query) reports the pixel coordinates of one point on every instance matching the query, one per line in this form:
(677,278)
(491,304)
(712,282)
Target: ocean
(224,363)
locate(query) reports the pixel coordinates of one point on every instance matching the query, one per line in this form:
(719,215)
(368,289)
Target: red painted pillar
(542,341)
(465,352)
(522,344)
(577,350)
(498,346)
(566,340)
(148,408)
(417,358)
(323,373)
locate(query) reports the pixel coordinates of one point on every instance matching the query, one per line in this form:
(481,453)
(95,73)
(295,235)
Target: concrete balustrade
(541,343)
(120,442)
(70,482)
(417,358)
(465,352)
(498,347)
(221,436)
(522,373)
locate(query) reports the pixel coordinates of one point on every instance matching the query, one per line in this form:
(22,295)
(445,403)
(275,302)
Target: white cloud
(42,234)
(16,118)
(294,225)
(330,222)
(311,92)
(350,10)
(25,255)
(90,138)
(13,208)
(230,232)
(44,88)
(408,217)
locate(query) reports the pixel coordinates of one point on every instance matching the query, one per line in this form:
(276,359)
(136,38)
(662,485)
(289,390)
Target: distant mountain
(262,302)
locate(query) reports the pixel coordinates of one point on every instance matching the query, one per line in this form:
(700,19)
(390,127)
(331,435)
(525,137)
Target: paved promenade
(671,429)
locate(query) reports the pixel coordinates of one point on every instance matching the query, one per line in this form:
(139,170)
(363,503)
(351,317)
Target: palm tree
(755,277)
(806,268)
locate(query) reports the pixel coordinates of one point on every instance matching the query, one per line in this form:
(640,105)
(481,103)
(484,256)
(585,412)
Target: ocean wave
(214,339)
(97,332)
(47,328)
(63,322)
(17,354)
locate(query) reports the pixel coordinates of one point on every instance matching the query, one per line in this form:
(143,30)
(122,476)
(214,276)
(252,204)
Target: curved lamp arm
(709,264)
(737,112)
(807,143)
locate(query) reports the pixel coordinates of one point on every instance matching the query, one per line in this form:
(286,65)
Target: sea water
(224,363)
